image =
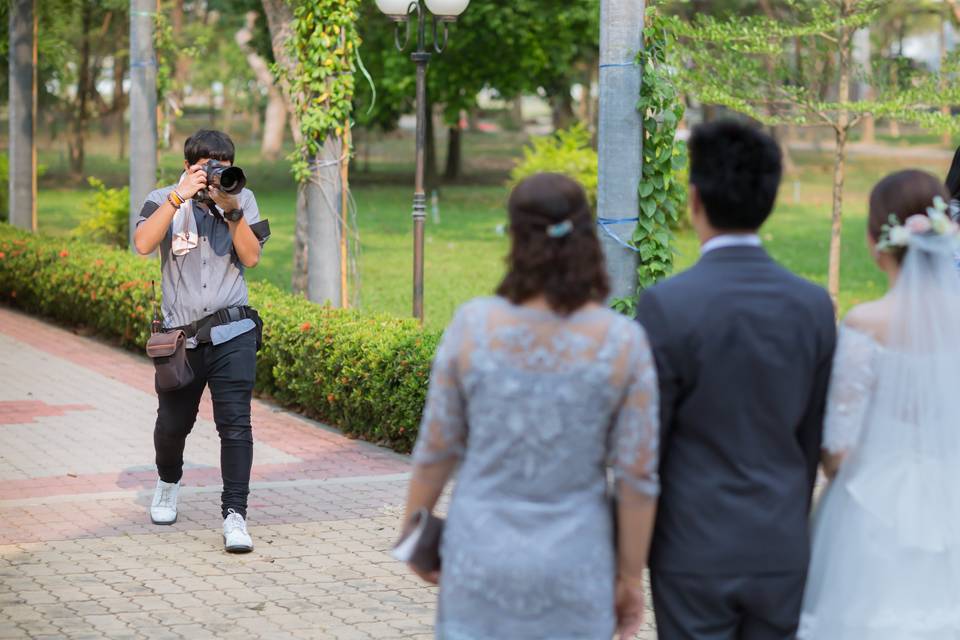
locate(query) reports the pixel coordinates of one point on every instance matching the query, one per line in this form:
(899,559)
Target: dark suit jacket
(744,350)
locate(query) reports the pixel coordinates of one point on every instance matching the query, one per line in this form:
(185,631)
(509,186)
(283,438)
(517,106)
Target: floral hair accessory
(895,235)
(561,229)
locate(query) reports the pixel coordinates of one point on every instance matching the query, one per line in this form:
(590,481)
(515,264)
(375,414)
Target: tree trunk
(840,156)
(78,130)
(298,280)
(316,259)
(516,113)
(119,103)
(561,105)
(181,73)
(279,19)
(862,56)
(947,138)
(275,118)
(454,154)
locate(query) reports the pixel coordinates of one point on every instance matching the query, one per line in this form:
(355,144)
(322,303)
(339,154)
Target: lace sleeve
(635,434)
(443,429)
(850,389)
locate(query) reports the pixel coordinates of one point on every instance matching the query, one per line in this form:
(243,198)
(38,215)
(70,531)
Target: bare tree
(275,118)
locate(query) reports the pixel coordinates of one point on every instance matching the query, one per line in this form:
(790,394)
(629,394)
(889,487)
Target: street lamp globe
(396,9)
(447,9)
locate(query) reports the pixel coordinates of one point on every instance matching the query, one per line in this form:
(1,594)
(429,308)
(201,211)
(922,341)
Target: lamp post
(443,13)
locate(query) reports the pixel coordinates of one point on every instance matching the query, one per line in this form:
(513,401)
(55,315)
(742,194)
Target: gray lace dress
(536,407)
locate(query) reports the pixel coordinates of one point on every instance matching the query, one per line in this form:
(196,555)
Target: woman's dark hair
(207,143)
(554,250)
(736,169)
(903,194)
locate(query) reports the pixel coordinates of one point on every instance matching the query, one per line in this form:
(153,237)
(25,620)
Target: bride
(886,549)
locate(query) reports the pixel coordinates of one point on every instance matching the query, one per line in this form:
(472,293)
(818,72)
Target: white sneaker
(235,536)
(163,509)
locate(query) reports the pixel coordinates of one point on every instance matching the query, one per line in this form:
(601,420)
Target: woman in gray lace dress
(534,394)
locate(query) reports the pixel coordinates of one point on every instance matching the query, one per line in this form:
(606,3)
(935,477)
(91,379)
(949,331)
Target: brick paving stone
(79,558)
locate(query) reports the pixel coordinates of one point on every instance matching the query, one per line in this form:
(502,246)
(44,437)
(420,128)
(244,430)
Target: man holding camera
(208,230)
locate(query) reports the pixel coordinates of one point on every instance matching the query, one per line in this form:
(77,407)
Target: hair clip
(561,229)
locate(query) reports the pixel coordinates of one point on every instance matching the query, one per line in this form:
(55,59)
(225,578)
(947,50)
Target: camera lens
(232,180)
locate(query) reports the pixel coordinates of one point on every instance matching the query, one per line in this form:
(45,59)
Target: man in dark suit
(743,351)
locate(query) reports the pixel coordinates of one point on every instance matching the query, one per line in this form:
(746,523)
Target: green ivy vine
(323,45)
(662,193)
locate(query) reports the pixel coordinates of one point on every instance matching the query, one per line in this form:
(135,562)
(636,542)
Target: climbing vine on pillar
(662,192)
(323,45)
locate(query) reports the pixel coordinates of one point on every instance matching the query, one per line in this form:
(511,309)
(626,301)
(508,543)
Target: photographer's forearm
(245,243)
(151,231)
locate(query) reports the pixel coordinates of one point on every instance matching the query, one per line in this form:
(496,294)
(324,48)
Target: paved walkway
(79,558)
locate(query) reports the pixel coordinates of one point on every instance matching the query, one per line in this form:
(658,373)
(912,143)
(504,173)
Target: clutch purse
(420,546)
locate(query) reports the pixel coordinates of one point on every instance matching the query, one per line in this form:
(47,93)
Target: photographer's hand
(194,180)
(245,242)
(151,232)
(225,201)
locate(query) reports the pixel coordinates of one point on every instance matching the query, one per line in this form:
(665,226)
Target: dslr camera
(224,177)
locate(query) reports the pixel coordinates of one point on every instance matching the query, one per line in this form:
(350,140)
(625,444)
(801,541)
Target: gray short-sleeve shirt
(209,277)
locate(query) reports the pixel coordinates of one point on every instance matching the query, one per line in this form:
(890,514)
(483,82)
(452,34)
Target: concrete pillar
(143,107)
(23,115)
(620,136)
(323,225)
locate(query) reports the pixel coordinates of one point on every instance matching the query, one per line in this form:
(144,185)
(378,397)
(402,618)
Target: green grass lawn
(464,251)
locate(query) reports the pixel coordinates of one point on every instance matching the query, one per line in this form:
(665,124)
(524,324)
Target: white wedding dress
(886,547)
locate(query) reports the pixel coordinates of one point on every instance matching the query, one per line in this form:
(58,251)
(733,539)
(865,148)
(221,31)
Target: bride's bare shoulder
(871,318)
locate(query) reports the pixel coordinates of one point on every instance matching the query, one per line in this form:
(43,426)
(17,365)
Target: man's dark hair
(736,169)
(207,143)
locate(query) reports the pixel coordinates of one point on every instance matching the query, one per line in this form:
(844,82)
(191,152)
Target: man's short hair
(207,143)
(736,169)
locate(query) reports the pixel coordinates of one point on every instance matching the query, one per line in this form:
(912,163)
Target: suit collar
(736,253)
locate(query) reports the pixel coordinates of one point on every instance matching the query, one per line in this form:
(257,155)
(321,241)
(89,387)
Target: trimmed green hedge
(364,373)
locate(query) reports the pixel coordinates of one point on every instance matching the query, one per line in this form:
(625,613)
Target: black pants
(229,370)
(709,607)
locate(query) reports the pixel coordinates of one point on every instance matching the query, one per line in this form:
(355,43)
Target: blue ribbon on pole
(604,225)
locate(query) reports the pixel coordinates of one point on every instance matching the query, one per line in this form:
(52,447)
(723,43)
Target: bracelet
(182,199)
(173,202)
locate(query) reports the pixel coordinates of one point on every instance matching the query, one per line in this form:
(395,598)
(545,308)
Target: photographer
(207,238)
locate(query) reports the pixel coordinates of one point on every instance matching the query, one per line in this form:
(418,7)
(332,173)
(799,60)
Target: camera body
(223,177)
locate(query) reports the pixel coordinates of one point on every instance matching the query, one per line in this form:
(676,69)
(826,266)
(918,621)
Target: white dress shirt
(731,240)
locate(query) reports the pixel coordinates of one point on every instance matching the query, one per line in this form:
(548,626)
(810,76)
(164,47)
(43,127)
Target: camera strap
(156,325)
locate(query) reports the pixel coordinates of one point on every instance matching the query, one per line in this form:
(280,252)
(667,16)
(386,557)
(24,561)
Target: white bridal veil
(886,558)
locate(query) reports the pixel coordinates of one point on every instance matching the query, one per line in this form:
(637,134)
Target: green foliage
(782,70)
(106,215)
(663,195)
(324,46)
(568,152)
(366,374)
(509,46)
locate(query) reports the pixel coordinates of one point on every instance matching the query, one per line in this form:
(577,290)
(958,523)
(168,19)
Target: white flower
(899,237)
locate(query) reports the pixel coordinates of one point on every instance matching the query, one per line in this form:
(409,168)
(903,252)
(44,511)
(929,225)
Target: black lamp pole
(421,57)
